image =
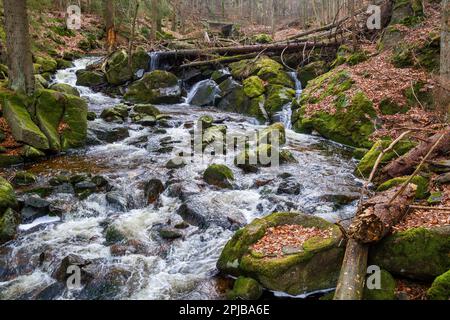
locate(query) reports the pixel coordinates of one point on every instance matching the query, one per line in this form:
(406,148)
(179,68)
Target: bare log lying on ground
(405,164)
(378,215)
(221,60)
(353,273)
(272,48)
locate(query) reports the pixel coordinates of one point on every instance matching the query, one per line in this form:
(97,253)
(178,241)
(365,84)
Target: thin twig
(430,208)
(414,94)
(419,167)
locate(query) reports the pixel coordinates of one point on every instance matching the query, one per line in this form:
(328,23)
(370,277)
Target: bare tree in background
(110,24)
(20,61)
(445,43)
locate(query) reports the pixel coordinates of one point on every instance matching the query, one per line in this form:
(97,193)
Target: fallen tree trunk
(353,272)
(405,164)
(379,214)
(219,61)
(273,48)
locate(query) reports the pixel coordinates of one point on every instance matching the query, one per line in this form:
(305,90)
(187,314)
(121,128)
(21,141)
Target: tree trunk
(404,165)
(110,25)
(353,272)
(130,41)
(378,215)
(155,15)
(20,61)
(445,55)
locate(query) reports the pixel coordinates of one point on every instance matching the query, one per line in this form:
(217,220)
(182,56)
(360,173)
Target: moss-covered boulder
(275,130)
(254,87)
(117,113)
(9,221)
(40,82)
(419,181)
(314,266)
(235,100)
(146,109)
(311,71)
(63,119)
(22,126)
(24,178)
(91,79)
(262,38)
(47,64)
(263,66)
(367,163)
(73,131)
(417,253)
(245,289)
(440,289)
(424,55)
(277,97)
(116,68)
(265,155)
(7,195)
(156,87)
(407,12)
(65,88)
(386,290)
(218,175)
(352,123)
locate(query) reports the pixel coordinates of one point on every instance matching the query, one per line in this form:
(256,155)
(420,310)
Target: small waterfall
(154,61)
(285,115)
(203,93)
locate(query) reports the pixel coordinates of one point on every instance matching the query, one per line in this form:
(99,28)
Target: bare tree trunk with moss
(131,40)
(354,31)
(20,61)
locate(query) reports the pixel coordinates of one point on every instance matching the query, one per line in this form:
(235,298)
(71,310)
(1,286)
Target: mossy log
(378,215)
(405,165)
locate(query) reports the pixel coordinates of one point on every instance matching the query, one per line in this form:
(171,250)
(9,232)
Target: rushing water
(156,268)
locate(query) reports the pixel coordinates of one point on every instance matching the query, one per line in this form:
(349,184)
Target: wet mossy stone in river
(113,235)
(9,221)
(74,130)
(367,163)
(116,68)
(219,175)
(158,87)
(263,66)
(24,178)
(118,113)
(22,126)
(386,290)
(7,195)
(146,109)
(235,100)
(65,88)
(206,122)
(245,289)
(440,289)
(88,78)
(267,135)
(417,253)
(315,267)
(7,160)
(419,181)
(277,97)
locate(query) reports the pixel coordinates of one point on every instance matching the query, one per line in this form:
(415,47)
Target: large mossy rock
(88,78)
(316,266)
(158,87)
(277,97)
(417,253)
(367,163)
(22,126)
(234,99)
(254,86)
(407,11)
(268,135)
(245,289)
(206,93)
(63,119)
(419,181)
(47,64)
(440,289)
(386,290)
(65,88)
(116,68)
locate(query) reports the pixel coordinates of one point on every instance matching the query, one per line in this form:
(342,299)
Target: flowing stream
(156,268)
